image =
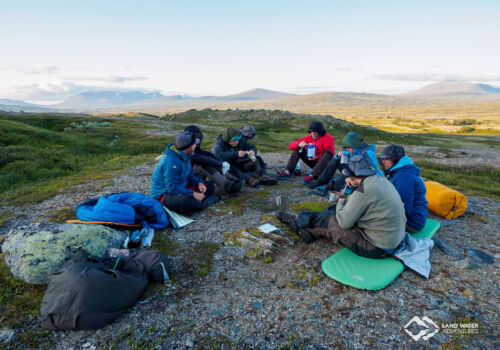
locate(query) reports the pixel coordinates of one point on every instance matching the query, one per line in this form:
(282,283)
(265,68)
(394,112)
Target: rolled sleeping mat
(444,201)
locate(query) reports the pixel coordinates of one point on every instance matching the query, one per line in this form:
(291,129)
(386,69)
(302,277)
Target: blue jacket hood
(405,164)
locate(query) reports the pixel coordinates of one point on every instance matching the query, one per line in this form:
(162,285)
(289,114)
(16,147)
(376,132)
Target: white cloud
(40,69)
(482,17)
(109,79)
(432,76)
(54,91)
(36,69)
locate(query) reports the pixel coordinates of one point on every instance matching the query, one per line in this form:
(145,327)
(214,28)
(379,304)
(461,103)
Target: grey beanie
(248,131)
(358,165)
(393,152)
(184,139)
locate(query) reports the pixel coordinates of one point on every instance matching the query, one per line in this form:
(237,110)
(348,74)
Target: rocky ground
(231,301)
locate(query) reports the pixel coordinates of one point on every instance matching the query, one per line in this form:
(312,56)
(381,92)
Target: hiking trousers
(316,165)
(186,203)
(246,165)
(325,224)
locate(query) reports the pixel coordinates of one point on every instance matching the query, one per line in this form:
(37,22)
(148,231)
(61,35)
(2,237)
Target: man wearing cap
(352,144)
(248,132)
(315,149)
(370,221)
(174,183)
(405,176)
(231,147)
(208,165)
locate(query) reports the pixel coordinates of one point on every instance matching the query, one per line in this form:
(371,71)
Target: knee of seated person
(328,153)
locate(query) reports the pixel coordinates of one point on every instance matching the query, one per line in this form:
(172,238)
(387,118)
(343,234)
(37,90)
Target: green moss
(58,215)
(19,301)
(164,244)
(304,278)
(37,338)
(200,258)
(310,206)
(7,215)
(236,205)
(268,259)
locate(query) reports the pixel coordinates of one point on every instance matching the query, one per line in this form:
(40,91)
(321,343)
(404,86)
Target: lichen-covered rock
(38,250)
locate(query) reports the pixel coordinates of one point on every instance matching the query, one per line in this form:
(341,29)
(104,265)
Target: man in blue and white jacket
(174,183)
(405,176)
(352,145)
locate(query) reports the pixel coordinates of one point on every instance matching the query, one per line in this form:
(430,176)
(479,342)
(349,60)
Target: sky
(51,49)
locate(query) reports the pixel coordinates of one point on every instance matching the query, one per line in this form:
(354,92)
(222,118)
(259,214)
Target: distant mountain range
(137,101)
(455,88)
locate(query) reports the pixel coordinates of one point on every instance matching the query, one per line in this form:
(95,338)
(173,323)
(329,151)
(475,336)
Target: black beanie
(195,130)
(318,127)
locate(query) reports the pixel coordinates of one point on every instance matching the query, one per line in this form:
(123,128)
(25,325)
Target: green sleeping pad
(372,274)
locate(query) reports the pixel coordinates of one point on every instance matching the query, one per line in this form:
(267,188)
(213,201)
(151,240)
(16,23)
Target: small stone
(189,343)
(6,335)
(480,256)
(459,299)
(447,248)
(86,345)
(468,292)
(461,264)
(258,306)
(448,222)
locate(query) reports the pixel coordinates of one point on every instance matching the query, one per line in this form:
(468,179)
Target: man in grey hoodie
(370,221)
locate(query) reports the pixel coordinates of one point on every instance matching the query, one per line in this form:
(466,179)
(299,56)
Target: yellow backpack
(444,201)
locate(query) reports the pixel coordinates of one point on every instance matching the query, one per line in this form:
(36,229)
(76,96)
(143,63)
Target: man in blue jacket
(174,183)
(405,176)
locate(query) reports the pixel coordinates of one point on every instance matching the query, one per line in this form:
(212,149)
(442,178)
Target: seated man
(174,183)
(320,143)
(370,222)
(405,176)
(234,149)
(248,133)
(208,165)
(352,144)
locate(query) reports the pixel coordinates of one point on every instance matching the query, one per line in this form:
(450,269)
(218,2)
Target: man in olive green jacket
(370,222)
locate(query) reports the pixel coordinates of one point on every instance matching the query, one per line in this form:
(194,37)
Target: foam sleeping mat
(371,274)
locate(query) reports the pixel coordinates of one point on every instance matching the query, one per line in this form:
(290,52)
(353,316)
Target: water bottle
(311,150)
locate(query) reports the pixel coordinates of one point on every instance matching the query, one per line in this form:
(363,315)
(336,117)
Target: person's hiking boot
(211,200)
(288,219)
(308,180)
(283,176)
(312,184)
(305,236)
(267,180)
(252,181)
(231,187)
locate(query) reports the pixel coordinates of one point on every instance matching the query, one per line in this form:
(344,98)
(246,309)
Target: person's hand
(339,155)
(251,153)
(225,167)
(302,144)
(313,158)
(199,196)
(241,154)
(202,187)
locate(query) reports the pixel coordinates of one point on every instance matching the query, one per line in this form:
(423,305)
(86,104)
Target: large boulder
(34,252)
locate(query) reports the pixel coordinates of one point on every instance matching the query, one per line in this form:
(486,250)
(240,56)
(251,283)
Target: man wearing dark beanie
(315,149)
(174,183)
(208,165)
(231,147)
